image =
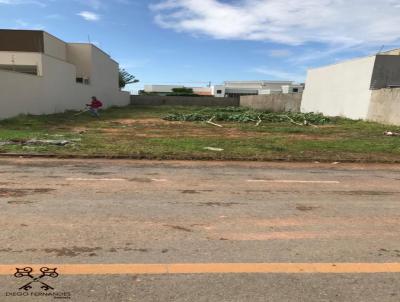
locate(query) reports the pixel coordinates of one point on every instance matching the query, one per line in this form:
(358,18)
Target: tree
(125,78)
(182,92)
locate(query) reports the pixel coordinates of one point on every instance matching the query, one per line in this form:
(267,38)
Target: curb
(204,158)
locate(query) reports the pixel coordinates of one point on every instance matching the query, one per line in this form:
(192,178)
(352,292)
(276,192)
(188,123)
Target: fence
(273,102)
(139,100)
(385,106)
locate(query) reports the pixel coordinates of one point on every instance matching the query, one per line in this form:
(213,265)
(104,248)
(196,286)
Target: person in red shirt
(94,106)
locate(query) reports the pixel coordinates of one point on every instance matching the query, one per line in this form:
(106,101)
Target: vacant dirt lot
(141,132)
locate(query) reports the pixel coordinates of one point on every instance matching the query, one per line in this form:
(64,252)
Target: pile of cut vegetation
(244,115)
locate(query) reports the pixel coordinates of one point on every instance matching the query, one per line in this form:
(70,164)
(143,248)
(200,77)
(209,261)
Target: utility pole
(380,50)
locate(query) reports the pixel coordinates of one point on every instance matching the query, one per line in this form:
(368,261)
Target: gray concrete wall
(144,100)
(385,106)
(273,102)
(386,72)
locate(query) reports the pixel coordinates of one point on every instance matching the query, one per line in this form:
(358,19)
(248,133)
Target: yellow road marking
(329,182)
(95,179)
(211,268)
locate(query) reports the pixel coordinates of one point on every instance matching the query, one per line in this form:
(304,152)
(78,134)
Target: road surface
(198,231)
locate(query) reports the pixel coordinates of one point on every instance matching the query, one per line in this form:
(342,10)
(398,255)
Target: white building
(240,88)
(160,89)
(347,88)
(40,74)
(166,89)
(234,88)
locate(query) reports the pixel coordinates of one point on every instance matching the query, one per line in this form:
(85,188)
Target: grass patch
(166,132)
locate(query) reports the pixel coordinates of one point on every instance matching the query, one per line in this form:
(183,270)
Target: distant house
(356,89)
(243,88)
(163,90)
(232,88)
(40,74)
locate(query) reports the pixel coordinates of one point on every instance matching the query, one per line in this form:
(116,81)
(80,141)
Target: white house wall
(54,47)
(62,85)
(105,79)
(104,72)
(22,58)
(16,100)
(61,88)
(243,85)
(81,56)
(273,85)
(57,90)
(216,88)
(161,88)
(340,90)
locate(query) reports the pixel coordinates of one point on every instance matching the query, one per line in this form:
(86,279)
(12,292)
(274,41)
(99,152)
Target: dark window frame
(26,69)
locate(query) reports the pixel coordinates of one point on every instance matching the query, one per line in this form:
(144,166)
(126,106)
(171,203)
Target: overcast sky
(172,41)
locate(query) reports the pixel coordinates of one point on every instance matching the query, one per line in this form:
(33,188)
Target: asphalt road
(198,231)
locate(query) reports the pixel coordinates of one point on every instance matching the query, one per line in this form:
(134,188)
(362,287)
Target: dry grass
(142,133)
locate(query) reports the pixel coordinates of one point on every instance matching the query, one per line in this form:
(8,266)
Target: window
(219,91)
(29,69)
(85,81)
(295,90)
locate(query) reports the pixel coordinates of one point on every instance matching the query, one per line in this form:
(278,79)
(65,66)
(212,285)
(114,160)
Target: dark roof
(22,40)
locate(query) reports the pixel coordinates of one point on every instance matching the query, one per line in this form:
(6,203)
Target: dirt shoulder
(77,162)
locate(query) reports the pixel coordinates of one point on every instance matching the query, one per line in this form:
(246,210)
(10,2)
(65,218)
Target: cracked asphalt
(69,212)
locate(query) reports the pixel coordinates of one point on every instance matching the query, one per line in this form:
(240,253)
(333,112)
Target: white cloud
(93,4)
(134,63)
(102,4)
(280,74)
(89,16)
(126,2)
(54,17)
(279,53)
(18,2)
(292,22)
(21,24)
